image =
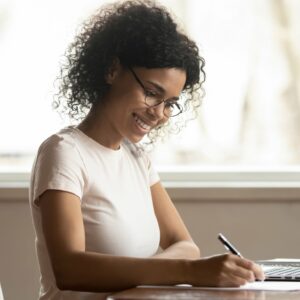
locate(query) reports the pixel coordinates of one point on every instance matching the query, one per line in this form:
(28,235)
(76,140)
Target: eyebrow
(157,86)
(162,90)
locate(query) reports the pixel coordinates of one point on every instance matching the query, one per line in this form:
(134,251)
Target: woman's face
(126,111)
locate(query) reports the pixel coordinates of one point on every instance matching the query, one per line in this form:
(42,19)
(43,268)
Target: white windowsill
(194,185)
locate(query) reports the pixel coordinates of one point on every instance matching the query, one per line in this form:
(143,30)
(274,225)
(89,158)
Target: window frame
(199,184)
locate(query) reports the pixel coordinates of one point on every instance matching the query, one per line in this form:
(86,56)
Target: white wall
(260,229)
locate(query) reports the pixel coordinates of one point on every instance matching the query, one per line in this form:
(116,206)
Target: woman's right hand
(226,270)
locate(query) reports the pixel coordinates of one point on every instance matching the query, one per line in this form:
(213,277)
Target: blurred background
(250,116)
(235,169)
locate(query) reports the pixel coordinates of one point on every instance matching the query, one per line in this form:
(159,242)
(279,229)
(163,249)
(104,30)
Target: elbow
(62,279)
(195,251)
(65,275)
(192,249)
(61,285)
(198,251)
(67,282)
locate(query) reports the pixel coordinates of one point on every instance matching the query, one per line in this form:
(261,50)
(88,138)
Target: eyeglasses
(152,99)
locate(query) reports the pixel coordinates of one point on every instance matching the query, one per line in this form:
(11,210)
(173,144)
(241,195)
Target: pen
(228,245)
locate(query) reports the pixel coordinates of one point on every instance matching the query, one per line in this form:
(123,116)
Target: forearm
(180,250)
(102,273)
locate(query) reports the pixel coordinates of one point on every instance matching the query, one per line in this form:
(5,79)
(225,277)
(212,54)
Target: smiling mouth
(141,123)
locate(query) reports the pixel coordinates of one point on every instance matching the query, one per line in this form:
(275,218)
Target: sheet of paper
(286,260)
(280,261)
(254,286)
(272,286)
(258,286)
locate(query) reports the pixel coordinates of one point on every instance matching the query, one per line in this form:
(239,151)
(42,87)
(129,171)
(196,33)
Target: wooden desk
(186,293)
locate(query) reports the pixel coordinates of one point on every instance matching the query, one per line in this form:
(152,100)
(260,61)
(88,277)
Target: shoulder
(58,166)
(62,139)
(135,149)
(59,149)
(63,143)
(141,156)
(138,152)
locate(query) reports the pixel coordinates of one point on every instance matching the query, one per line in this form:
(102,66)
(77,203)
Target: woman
(99,209)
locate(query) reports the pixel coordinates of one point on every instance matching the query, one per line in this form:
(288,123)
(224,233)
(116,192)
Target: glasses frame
(159,103)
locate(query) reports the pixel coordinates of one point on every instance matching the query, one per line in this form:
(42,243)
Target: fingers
(223,271)
(251,267)
(228,270)
(244,274)
(239,270)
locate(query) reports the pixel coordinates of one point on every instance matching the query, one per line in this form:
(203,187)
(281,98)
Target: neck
(97,125)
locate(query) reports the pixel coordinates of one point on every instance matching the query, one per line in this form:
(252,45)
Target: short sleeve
(153,175)
(58,166)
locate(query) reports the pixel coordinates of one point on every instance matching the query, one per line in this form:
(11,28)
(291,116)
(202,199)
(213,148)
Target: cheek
(162,121)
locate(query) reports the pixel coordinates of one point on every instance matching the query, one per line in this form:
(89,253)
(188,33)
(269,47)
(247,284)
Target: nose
(157,111)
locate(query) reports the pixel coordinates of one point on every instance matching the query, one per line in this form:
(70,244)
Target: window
(249,117)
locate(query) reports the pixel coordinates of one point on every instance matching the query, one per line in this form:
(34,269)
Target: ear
(113,71)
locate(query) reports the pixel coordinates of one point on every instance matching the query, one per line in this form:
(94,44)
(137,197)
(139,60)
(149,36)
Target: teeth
(141,123)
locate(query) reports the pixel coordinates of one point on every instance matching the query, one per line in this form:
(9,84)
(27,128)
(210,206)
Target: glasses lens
(152,100)
(172,109)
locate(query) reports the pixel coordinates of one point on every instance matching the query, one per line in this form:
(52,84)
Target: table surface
(186,293)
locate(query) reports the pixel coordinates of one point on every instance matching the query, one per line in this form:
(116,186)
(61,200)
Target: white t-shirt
(114,190)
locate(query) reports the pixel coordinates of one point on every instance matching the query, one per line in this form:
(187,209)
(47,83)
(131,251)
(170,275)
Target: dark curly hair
(138,34)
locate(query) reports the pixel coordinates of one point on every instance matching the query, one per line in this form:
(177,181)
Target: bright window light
(250,115)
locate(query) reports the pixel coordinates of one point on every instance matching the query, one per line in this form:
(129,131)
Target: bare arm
(176,242)
(76,269)
(175,239)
